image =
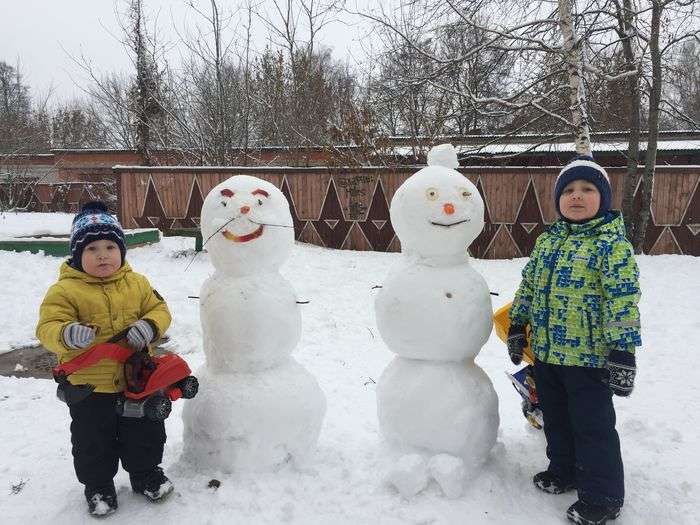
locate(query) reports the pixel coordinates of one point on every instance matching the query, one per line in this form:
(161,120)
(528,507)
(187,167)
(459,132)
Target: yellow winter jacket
(110,305)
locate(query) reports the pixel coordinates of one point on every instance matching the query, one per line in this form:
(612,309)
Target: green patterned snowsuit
(579,293)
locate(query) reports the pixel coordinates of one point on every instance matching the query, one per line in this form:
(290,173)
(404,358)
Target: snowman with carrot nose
(437,409)
(258,407)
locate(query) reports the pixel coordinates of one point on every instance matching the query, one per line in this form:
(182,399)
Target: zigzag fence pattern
(55,197)
(348,208)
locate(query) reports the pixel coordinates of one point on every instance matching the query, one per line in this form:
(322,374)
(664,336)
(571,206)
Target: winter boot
(154,485)
(551,483)
(101,500)
(583,513)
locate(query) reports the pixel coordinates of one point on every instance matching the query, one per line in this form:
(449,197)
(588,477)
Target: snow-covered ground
(341,346)
(14,224)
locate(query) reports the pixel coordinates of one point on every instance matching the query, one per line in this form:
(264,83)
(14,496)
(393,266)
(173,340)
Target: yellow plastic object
(501,322)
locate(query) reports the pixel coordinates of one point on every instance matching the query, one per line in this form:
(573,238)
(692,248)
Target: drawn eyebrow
(226,192)
(260,192)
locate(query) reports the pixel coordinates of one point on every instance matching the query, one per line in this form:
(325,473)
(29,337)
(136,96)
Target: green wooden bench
(59,246)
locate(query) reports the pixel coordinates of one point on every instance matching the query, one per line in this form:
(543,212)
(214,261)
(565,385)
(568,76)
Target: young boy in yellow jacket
(96,297)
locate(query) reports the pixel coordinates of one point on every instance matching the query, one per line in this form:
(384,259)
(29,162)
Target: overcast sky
(42,35)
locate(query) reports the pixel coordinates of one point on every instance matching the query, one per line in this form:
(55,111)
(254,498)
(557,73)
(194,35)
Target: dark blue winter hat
(583,167)
(93,223)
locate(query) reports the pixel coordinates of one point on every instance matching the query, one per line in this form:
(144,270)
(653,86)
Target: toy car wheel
(157,408)
(189,387)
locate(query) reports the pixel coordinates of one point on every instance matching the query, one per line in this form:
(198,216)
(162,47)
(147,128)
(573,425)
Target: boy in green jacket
(579,294)
(96,297)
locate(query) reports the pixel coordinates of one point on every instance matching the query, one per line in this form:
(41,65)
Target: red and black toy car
(152,382)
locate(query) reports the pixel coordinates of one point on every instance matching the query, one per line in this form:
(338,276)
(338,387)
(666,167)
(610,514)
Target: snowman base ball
(439,407)
(253,421)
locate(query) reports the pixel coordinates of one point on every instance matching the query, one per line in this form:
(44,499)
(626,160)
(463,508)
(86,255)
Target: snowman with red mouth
(257,408)
(434,404)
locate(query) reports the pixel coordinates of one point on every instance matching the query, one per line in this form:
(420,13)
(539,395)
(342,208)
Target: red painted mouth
(243,238)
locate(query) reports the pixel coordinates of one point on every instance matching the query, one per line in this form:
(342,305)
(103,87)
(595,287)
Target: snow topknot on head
(444,155)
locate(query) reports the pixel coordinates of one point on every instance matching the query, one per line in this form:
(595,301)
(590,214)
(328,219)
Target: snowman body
(434,311)
(258,407)
(256,313)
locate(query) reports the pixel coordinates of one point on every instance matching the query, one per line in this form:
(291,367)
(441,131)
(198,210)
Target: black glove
(517,341)
(623,368)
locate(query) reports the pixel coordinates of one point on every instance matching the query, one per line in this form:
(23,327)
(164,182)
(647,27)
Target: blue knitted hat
(583,167)
(93,223)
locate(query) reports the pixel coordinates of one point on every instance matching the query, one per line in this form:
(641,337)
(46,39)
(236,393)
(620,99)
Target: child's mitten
(140,334)
(78,336)
(623,368)
(517,341)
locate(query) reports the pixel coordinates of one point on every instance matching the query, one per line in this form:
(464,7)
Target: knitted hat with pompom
(583,167)
(93,223)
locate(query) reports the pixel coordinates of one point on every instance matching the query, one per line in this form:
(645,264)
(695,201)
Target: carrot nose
(448,208)
(245,209)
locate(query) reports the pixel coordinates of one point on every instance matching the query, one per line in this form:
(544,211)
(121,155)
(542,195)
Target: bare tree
(648,32)
(145,93)
(24,123)
(76,125)
(684,80)
(16,185)
(297,85)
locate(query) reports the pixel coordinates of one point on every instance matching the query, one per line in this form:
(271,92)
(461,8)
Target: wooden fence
(55,197)
(348,208)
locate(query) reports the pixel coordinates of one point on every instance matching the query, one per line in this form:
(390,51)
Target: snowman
(434,404)
(257,407)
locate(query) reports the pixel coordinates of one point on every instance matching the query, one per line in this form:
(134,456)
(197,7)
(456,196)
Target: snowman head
(247,226)
(437,212)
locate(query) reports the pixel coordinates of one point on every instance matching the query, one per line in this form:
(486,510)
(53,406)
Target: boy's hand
(517,341)
(623,369)
(140,334)
(78,336)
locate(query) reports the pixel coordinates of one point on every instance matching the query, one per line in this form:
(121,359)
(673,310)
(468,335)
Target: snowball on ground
(448,471)
(409,475)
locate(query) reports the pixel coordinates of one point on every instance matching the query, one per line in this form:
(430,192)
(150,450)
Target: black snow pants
(101,438)
(579,423)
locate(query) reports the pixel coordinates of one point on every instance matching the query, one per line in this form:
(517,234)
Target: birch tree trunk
(573,53)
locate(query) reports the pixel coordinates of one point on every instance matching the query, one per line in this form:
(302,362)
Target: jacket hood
(68,272)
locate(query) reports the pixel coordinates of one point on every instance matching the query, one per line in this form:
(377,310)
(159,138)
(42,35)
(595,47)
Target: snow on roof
(553,147)
(665,145)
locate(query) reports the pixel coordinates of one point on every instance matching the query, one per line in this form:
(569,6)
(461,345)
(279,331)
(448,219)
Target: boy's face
(101,258)
(579,201)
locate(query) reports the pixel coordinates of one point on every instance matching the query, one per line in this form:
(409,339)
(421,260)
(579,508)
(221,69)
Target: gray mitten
(623,369)
(140,334)
(78,336)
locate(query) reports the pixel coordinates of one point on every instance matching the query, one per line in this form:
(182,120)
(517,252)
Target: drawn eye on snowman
(432,194)
(226,193)
(464,193)
(260,193)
